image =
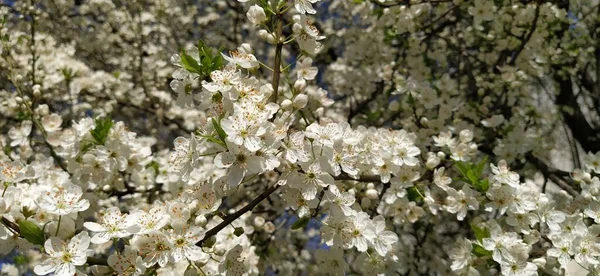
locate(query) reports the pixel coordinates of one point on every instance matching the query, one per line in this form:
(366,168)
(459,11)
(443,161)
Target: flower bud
(259,221)
(42,110)
(372,194)
(286,104)
(269,227)
(297,28)
(263,34)
(300,85)
(246,48)
(271,39)
(19,100)
(256,15)
(300,101)
(466,135)
(200,220)
(432,161)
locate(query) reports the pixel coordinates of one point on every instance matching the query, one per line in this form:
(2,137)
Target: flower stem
(58,226)
(278,49)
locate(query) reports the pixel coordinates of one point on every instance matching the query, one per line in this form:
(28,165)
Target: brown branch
(230,218)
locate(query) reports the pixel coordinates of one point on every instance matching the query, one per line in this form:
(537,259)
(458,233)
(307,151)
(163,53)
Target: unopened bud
(200,220)
(372,194)
(263,34)
(271,39)
(300,101)
(269,227)
(256,15)
(286,104)
(300,85)
(259,221)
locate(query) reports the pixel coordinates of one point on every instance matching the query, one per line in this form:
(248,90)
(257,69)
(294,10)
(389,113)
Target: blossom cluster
(408,161)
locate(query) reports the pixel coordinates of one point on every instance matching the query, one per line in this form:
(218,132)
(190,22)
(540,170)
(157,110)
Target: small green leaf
(100,132)
(190,64)
(300,223)
(479,251)
(480,233)
(31,232)
(484,185)
(463,168)
(219,130)
(413,194)
(479,168)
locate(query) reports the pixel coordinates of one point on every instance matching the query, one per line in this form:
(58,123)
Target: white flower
(294,148)
(183,88)
(127,263)
(305,6)
(360,231)
(503,174)
(64,201)
(311,180)
(112,224)
(154,248)
(306,70)
(483,10)
(239,162)
(340,202)
(458,202)
(14,172)
(405,154)
(242,130)
(184,241)
(63,256)
(256,15)
(241,58)
(326,135)
(222,80)
(297,202)
(461,254)
(183,159)
(444,140)
(440,179)
(383,239)
(493,121)
(562,247)
(152,220)
(20,136)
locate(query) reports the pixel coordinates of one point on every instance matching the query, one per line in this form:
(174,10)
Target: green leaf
(100,132)
(31,232)
(472,177)
(300,223)
(463,167)
(479,168)
(480,233)
(214,140)
(190,64)
(413,194)
(219,130)
(479,251)
(484,185)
